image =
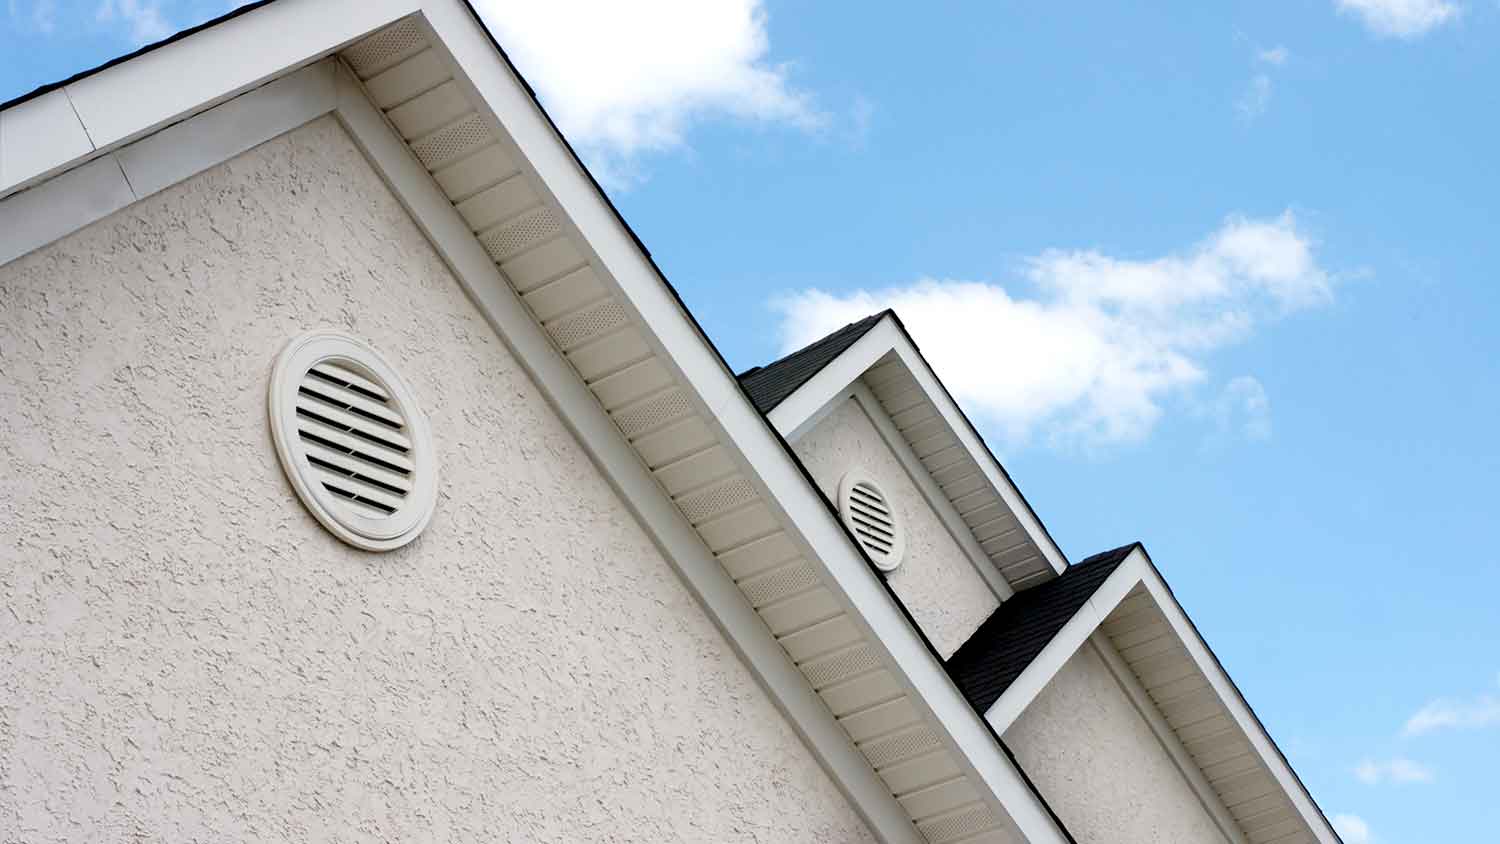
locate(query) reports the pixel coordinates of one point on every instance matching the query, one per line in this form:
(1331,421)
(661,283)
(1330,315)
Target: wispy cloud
(36,16)
(1401,18)
(1477,712)
(1256,96)
(1274,56)
(142,18)
(1352,828)
(1255,99)
(638,75)
(1397,771)
(1085,347)
(1241,410)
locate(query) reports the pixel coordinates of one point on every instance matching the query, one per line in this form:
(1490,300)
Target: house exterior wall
(188,655)
(1099,765)
(936,581)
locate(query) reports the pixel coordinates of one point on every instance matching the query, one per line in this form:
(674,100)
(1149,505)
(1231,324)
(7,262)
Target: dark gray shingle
(985,666)
(769,385)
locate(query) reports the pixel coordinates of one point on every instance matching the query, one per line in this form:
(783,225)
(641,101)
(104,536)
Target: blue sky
(1217,277)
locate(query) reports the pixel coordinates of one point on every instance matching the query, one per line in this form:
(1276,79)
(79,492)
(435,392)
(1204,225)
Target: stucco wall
(1099,765)
(185,655)
(938,584)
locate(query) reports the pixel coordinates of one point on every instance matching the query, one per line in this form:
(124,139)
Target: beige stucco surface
(185,655)
(1099,766)
(936,581)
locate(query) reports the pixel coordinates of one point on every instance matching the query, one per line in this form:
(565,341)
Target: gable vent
(873,519)
(352,441)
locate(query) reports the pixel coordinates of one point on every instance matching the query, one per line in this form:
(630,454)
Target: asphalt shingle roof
(769,385)
(985,666)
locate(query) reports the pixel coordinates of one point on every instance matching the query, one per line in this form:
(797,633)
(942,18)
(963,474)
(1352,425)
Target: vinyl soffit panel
(543,259)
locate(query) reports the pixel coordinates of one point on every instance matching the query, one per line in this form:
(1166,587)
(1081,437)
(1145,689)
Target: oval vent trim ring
(873,519)
(352,441)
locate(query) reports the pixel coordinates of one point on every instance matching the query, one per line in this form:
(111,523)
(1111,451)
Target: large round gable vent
(873,519)
(352,441)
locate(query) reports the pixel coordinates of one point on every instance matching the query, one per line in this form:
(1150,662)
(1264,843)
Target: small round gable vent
(873,519)
(352,441)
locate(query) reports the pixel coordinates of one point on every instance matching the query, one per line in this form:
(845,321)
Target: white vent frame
(385,520)
(882,535)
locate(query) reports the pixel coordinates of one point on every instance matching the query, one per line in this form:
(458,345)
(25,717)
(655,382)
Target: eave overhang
(885,359)
(463,143)
(1213,735)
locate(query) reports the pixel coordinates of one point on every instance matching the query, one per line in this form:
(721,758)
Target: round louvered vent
(873,519)
(352,441)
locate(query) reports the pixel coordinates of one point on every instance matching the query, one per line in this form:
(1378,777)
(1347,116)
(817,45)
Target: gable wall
(936,581)
(1096,761)
(189,655)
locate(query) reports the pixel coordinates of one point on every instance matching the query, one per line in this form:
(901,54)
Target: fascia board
(61,206)
(129,100)
(765,456)
(1035,677)
(961,533)
(799,412)
(112,180)
(980,452)
(38,137)
(1229,695)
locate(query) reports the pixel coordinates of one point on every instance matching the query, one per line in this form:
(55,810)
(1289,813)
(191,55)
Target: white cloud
(1087,347)
(1257,96)
(1401,18)
(1398,771)
(1241,409)
(39,15)
(1453,714)
(1275,56)
(626,78)
(1352,829)
(143,18)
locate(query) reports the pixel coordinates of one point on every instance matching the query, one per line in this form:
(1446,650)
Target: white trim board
(116,105)
(1035,677)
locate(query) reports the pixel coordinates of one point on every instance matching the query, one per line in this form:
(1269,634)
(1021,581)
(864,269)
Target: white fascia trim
(104,110)
(658,515)
(763,454)
(1019,695)
(798,412)
(112,180)
(931,493)
(1131,687)
(801,411)
(1239,710)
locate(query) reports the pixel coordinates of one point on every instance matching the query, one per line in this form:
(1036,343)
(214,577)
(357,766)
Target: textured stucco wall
(185,655)
(936,581)
(1099,765)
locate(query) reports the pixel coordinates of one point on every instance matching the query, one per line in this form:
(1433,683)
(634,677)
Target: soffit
(411,79)
(1222,749)
(956,469)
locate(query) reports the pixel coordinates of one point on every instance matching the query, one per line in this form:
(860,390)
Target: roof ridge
(769,385)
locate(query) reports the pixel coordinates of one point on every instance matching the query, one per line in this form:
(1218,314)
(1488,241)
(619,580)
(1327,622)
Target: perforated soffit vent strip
(478,169)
